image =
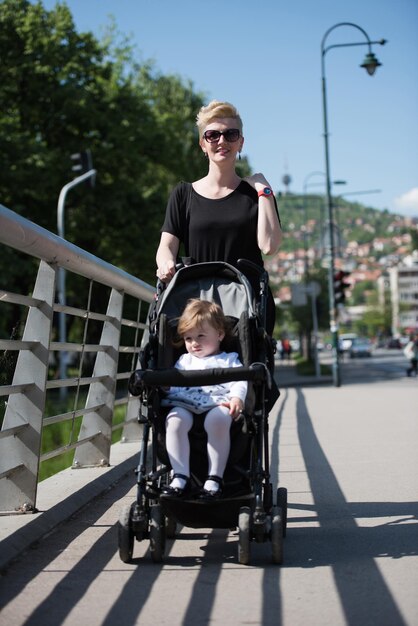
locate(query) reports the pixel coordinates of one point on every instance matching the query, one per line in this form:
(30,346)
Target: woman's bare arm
(166,256)
(269,232)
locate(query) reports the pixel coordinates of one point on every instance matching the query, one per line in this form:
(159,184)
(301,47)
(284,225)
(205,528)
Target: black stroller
(247,499)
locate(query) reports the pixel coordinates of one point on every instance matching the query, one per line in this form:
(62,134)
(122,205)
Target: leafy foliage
(414,239)
(361,290)
(62,92)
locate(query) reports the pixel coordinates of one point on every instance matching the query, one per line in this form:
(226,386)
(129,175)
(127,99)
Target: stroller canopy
(215,281)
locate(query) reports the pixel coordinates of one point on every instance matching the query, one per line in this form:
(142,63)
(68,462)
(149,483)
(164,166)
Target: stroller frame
(251,509)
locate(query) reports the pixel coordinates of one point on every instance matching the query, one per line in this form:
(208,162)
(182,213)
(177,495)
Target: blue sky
(265,57)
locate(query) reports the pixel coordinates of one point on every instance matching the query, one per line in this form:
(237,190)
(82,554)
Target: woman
(221,217)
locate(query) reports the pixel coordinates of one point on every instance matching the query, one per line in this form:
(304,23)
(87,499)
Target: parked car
(345,341)
(394,343)
(360,347)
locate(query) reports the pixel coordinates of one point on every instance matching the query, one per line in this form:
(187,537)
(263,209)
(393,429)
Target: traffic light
(340,286)
(83,163)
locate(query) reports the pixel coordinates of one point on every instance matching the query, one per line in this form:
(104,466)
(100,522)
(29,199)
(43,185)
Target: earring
(205,154)
(239,156)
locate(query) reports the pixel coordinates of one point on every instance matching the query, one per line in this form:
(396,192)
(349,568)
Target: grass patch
(306,367)
(64,434)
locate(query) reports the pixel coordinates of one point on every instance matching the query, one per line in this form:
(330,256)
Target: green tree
(361,291)
(61,92)
(376,320)
(50,88)
(414,239)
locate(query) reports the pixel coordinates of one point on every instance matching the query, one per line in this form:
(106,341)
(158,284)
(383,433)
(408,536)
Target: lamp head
(370,63)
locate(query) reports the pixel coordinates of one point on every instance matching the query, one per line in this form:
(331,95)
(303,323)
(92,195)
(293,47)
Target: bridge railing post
(97,426)
(20,444)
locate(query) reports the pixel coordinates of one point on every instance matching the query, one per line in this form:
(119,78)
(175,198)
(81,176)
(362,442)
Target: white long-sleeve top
(202,399)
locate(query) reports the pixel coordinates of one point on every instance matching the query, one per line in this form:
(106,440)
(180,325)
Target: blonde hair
(196,313)
(215,110)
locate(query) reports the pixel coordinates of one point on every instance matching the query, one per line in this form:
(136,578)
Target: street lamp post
(63,355)
(370,63)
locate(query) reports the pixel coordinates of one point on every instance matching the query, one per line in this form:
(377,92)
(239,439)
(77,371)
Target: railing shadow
(340,543)
(68,592)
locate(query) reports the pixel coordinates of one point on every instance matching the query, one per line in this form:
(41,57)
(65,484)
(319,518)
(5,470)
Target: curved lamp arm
(361,43)
(370,62)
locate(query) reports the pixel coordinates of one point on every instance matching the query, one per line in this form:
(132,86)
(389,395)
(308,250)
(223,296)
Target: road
(383,365)
(348,457)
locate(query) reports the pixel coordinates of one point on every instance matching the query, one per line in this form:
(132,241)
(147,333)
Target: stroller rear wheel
(157,533)
(125,534)
(282,504)
(277,536)
(244,536)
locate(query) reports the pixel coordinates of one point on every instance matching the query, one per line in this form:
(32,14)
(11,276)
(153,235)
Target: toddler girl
(202,327)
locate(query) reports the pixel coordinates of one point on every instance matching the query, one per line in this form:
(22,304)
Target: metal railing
(98,364)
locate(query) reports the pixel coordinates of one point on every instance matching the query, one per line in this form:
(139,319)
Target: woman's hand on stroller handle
(166,271)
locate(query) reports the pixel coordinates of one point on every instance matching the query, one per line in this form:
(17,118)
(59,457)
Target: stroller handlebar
(172,377)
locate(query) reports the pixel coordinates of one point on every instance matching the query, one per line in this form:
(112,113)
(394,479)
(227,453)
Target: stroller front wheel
(244,535)
(282,504)
(125,535)
(277,536)
(170,527)
(157,533)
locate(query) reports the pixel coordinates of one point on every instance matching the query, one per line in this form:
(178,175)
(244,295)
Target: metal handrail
(25,414)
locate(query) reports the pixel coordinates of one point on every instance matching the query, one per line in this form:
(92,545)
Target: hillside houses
(372,261)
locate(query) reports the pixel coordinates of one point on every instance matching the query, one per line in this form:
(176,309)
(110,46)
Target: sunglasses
(230,135)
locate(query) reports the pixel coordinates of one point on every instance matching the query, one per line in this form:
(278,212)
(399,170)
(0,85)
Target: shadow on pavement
(340,543)
(75,584)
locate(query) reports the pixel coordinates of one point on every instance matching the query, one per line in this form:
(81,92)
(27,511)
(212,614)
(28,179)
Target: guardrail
(97,360)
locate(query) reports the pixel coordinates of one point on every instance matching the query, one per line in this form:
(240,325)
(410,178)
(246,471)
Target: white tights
(217,425)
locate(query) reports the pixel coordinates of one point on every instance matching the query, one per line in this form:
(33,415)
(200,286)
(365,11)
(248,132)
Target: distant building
(404,295)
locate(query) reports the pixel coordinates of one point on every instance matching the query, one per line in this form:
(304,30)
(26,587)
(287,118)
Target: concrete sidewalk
(62,495)
(347,457)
